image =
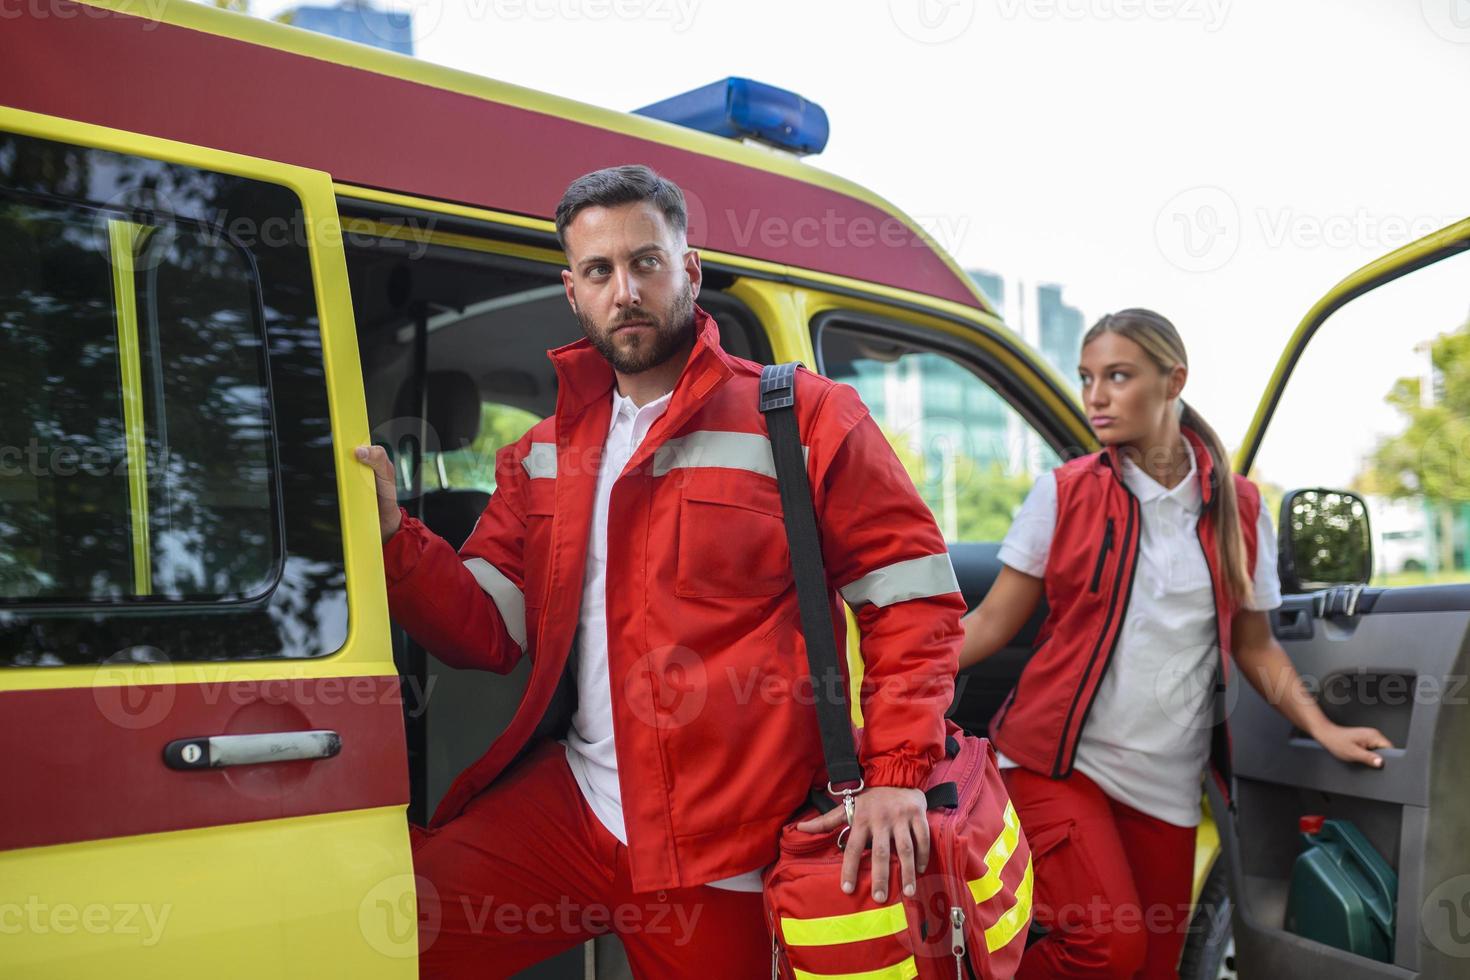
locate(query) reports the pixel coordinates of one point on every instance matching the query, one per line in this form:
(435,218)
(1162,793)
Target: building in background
(971,455)
(357,20)
(1058,329)
(992,285)
(1039,314)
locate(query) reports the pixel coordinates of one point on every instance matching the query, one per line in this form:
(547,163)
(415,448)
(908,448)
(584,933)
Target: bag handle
(813,593)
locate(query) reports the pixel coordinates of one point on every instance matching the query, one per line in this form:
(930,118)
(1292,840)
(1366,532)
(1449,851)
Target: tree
(983,496)
(1431,457)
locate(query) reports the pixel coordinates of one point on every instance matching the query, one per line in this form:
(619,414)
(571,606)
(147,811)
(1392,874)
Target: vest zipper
(1225,763)
(1118,591)
(1102,556)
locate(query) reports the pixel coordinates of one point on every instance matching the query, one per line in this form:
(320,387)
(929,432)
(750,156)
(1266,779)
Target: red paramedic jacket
(714,722)
(1088,579)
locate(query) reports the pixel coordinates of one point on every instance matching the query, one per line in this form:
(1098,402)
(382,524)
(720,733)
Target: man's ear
(693,270)
(566,281)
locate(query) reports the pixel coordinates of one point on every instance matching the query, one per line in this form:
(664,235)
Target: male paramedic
(634,547)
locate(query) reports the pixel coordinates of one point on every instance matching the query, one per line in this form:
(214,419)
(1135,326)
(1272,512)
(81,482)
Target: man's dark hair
(613,186)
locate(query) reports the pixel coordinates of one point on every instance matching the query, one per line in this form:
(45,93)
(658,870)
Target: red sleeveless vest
(1089,577)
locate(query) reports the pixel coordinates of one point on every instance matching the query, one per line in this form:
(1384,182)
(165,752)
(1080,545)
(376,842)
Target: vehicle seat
(454,417)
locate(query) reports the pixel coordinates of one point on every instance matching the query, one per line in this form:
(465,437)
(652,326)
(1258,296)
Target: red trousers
(1113,885)
(527,871)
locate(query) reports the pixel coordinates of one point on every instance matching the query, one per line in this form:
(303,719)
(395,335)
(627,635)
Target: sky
(1224,162)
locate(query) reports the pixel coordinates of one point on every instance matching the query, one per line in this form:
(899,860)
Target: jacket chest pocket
(536,550)
(732,541)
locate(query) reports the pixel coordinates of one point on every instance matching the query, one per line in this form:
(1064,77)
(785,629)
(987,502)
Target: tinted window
(146,469)
(167,486)
(971,455)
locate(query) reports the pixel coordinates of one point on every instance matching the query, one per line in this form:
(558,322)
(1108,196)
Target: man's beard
(668,333)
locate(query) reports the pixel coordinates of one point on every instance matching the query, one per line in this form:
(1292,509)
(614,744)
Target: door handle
(1294,624)
(216,751)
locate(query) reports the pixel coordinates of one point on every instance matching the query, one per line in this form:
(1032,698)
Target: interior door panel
(1399,668)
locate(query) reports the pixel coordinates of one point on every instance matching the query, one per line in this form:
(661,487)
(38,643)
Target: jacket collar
(585,377)
(1204,464)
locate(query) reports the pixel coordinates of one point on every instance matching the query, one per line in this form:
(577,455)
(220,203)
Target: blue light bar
(740,107)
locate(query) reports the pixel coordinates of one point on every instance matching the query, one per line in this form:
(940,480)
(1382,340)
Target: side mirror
(1324,540)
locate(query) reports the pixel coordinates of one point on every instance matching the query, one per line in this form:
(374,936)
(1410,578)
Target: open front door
(1371,395)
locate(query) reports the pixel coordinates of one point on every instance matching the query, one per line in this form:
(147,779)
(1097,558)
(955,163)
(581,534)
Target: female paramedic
(1152,556)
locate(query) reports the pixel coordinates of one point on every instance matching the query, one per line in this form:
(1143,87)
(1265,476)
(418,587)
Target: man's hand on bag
(886,816)
(376,459)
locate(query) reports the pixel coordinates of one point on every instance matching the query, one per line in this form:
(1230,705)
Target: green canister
(1343,892)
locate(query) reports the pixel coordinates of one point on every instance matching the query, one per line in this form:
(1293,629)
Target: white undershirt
(590,751)
(1146,740)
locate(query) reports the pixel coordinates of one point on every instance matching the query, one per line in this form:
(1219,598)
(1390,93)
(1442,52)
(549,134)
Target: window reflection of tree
(68,538)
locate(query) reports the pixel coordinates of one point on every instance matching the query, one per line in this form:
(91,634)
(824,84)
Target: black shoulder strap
(813,593)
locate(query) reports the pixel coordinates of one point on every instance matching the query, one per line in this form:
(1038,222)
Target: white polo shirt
(1146,740)
(590,752)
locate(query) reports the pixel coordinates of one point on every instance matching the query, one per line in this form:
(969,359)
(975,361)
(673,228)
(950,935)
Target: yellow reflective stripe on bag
(851,927)
(905,970)
(984,888)
(1015,918)
(1000,852)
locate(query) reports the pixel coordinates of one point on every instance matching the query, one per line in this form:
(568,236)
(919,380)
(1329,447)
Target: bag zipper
(957,940)
(1102,556)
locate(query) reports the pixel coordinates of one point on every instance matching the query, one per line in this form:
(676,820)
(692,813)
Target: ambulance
(232,251)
